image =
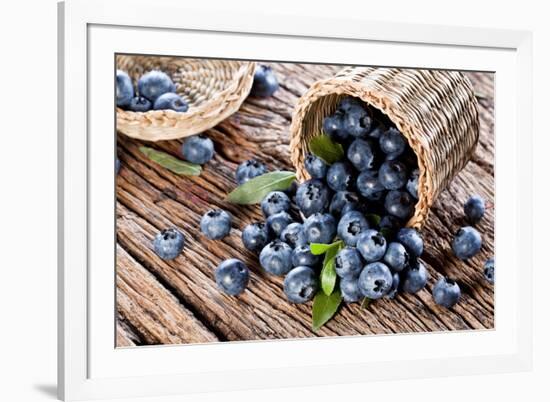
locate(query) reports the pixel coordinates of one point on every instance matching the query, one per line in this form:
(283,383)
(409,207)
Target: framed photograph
(246,203)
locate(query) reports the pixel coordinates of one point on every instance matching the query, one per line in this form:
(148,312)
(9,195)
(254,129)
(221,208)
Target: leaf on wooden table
(171,163)
(254,190)
(324,307)
(326,149)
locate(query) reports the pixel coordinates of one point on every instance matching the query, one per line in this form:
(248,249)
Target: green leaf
(321,248)
(171,163)
(324,307)
(254,190)
(326,149)
(373,219)
(365,303)
(328,273)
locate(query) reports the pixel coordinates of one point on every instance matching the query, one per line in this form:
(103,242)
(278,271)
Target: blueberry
(232,276)
(394,286)
(349,102)
(392,175)
(124,89)
(169,243)
(117,165)
(302,255)
(154,84)
(197,149)
(392,143)
(372,245)
(349,288)
(333,126)
(376,132)
(396,257)
(375,280)
(315,166)
(489,270)
(216,224)
(320,228)
(340,176)
(369,186)
(140,104)
(312,196)
(294,235)
(171,101)
(412,241)
(446,292)
(415,277)
(276,223)
(412,183)
(276,258)
(399,204)
(265,82)
(467,242)
(474,209)
(300,284)
(361,154)
(348,263)
(357,121)
(343,202)
(255,236)
(350,227)
(275,202)
(248,170)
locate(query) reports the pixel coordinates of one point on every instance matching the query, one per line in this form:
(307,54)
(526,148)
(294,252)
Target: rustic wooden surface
(172,302)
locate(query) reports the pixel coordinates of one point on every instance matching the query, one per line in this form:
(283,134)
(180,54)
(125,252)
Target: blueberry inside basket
(435,110)
(213,89)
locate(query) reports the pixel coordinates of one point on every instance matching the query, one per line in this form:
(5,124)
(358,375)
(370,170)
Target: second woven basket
(435,110)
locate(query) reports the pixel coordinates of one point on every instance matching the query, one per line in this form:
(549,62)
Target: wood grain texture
(167,302)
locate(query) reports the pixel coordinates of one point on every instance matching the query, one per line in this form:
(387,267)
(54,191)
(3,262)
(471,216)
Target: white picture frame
(91,32)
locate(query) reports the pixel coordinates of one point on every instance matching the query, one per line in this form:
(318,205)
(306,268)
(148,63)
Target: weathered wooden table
(170,302)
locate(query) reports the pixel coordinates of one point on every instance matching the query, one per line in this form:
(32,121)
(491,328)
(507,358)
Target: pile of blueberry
(155,91)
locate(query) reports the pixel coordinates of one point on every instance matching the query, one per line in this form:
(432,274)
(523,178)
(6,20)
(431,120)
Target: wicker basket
(435,110)
(214,89)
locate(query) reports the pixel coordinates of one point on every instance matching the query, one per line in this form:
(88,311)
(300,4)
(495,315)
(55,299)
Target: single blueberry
(294,235)
(350,227)
(343,202)
(411,239)
(302,255)
(197,149)
(474,209)
(276,258)
(375,280)
(392,175)
(399,204)
(275,202)
(394,286)
(392,142)
(412,183)
(124,89)
(300,284)
(154,84)
(255,236)
(415,277)
(349,288)
(171,101)
(312,196)
(340,176)
(396,257)
(467,242)
(357,121)
(140,104)
(446,292)
(361,154)
(333,126)
(372,245)
(276,223)
(369,186)
(489,270)
(349,102)
(348,263)
(315,166)
(117,165)
(232,276)
(320,228)
(248,170)
(265,82)
(169,243)
(216,224)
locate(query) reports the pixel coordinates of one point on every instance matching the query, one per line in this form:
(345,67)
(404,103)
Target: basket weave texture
(214,89)
(435,110)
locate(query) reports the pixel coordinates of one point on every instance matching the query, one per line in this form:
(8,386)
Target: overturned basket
(435,110)
(214,89)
